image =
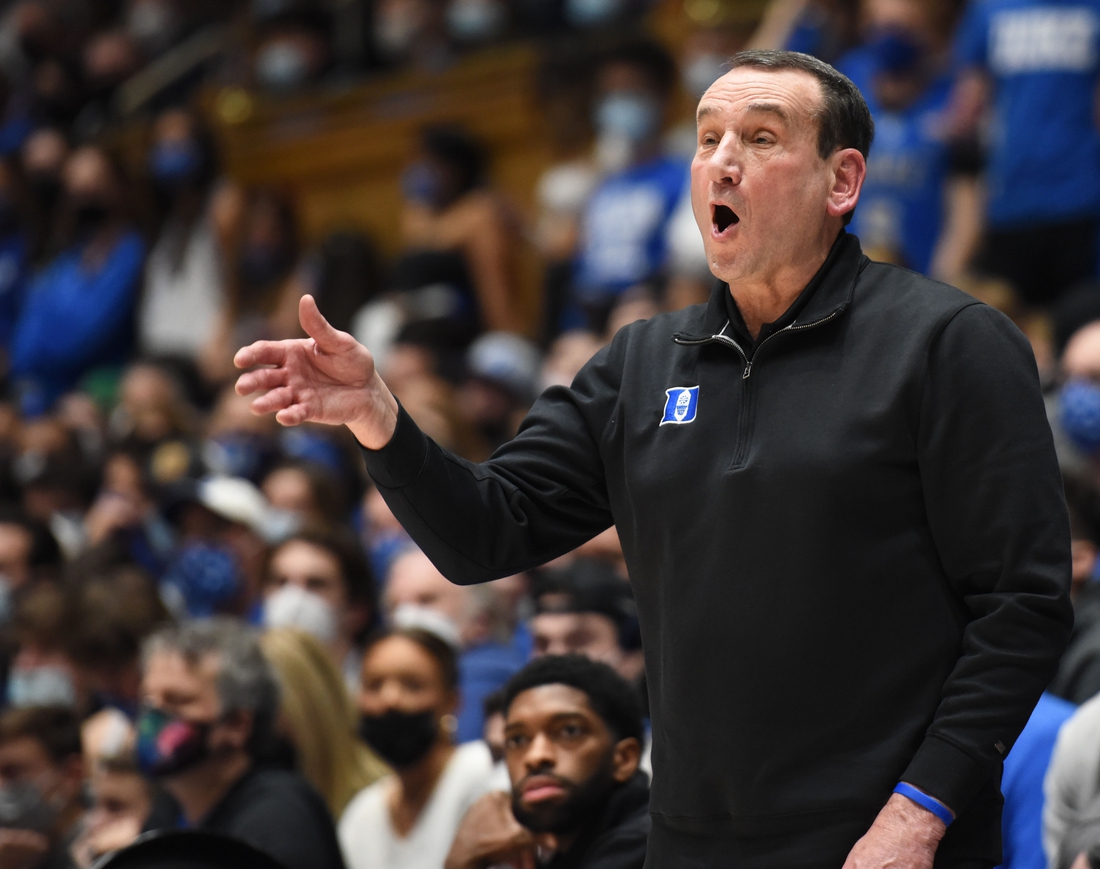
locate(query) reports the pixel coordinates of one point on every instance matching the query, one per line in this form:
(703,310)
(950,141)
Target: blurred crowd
(211,622)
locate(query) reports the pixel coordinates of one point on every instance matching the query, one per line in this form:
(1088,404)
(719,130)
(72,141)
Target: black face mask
(401,739)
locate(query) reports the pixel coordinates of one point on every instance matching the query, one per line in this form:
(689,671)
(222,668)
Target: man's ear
(625,758)
(849,170)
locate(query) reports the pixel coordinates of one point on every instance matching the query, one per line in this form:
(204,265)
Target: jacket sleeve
(540,495)
(997,515)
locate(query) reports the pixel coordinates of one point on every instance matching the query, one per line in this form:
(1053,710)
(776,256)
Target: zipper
(744,423)
(722,338)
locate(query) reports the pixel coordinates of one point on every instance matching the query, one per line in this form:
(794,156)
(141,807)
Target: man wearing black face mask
(211,702)
(41,779)
(572,740)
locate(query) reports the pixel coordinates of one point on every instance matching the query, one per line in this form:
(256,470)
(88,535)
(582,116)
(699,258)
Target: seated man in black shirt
(572,741)
(211,700)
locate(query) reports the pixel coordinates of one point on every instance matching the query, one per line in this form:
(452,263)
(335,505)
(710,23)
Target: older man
(837,498)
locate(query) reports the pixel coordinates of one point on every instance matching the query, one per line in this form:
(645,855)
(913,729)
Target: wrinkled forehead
(791,96)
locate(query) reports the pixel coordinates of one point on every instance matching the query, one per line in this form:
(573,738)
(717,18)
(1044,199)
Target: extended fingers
(328,338)
(262,353)
(261,378)
(273,401)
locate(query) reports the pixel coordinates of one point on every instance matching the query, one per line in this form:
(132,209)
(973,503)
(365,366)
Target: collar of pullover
(827,295)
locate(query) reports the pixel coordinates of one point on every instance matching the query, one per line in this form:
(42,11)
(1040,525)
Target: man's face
(590,634)
(312,568)
(759,188)
(562,759)
(189,691)
(414,580)
(25,761)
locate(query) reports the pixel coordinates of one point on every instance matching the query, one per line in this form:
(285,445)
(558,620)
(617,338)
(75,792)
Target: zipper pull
(748,370)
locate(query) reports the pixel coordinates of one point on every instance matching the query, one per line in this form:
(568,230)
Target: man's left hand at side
(903,836)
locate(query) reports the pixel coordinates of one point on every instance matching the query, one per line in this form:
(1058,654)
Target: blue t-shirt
(902,203)
(1022,784)
(1043,57)
(481,671)
(74,320)
(623,228)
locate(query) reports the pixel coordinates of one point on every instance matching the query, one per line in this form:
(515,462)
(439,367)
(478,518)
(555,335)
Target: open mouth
(724,218)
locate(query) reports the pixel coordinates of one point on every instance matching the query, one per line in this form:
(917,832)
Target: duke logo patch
(681,404)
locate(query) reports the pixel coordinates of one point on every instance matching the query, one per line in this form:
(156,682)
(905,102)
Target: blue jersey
(901,207)
(623,228)
(1043,57)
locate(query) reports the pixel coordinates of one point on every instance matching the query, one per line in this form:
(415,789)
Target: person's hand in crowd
(490,835)
(111,511)
(100,839)
(328,377)
(903,836)
(21,849)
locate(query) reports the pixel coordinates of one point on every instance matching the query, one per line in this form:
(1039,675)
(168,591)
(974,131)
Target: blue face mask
(1080,414)
(175,162)
(632,116)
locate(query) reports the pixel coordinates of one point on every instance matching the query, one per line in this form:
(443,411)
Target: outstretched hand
(328,377)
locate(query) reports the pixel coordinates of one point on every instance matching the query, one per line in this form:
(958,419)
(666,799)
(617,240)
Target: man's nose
(724,164)
(540,753)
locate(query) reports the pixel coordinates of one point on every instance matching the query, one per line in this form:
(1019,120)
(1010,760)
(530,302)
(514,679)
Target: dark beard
(583,804)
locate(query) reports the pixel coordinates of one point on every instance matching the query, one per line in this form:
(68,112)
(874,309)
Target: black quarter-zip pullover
(850,557)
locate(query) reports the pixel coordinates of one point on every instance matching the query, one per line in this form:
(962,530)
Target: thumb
(316,326)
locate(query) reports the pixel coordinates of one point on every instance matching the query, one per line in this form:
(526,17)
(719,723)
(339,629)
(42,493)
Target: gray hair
(245,682)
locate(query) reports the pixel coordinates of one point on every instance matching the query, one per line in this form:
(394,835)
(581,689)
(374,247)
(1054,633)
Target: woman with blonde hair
(316,715)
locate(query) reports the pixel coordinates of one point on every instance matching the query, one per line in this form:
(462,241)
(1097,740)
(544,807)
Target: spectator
(152,408)
(1022,784)
(41,779)
(1078,677)
(483,627)
(502,382)
(622,236)
(1071,813)
(1038,65)
(86,294)
(317,719)
(920,205)
(262,295)
(43,157)
(827,29)
(121,799)
(212,703)
(572,741)
(184,293)
(307,491)
(318,580)
(28,553)
(407,699)
(292,46)
(587,609)
(43,672)
(457,232)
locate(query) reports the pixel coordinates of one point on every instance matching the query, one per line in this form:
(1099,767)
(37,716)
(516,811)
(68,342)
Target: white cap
(235,499)
(408,615)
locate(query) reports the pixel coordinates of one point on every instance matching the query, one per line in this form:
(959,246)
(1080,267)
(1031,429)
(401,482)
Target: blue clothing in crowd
(75,319)
(1043,57)
(623,228)
(481,671)
(1022,784)
(901,207)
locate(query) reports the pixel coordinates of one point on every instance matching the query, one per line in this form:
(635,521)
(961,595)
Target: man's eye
(570,731)
(514,742)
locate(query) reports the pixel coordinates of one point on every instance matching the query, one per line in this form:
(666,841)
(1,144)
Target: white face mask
(294,607)
(475,20)
(41,686)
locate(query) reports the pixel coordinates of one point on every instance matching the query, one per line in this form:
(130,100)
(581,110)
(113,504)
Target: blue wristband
(922,799)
